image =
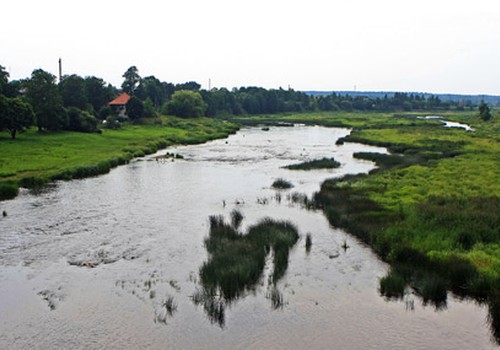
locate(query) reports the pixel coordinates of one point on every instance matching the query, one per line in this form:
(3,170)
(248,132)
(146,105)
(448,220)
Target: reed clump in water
(282,184)
(323,163)
(236,261)
(236,218)
(308,242)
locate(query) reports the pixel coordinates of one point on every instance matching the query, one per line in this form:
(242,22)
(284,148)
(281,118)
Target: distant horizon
(205,86)
(405,92)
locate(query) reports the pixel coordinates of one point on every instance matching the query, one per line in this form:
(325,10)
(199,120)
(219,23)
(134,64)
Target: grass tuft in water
(170,305)
(282,184)
(213,305)
(236,218)
(276,297)
(308,242)
(323,163)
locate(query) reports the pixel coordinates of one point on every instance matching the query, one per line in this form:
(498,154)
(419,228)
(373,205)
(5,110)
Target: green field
(36,158)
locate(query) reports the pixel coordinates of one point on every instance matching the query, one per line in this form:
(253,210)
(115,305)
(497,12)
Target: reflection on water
(114,261)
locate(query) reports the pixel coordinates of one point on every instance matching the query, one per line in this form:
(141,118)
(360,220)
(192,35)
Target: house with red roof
(119,105)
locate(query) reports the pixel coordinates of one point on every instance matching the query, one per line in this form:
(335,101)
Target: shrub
(186,104)
(81,121)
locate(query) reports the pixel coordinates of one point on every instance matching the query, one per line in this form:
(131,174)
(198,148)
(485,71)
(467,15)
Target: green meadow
(36,158)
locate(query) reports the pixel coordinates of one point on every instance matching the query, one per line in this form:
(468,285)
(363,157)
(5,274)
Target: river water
(91,263)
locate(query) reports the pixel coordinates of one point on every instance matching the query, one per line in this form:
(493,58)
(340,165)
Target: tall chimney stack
(60,70)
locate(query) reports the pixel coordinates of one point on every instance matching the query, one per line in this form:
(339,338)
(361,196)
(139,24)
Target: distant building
(119,105)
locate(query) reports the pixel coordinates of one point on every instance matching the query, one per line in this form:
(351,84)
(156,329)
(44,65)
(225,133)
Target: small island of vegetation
(324,163)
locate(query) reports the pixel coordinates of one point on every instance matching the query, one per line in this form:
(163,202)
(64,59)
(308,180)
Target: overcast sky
(384,45)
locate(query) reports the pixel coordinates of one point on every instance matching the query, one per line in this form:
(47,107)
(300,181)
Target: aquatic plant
(282,184)
(323,163)
(432,288)
(276,297)
(236,261)
(303,200)
(392,285)
(236,218)
(308,242)
(170,305)
(213,305)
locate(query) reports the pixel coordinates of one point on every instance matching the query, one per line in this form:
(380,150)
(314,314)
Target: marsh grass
(236,261)
(392,285)
(170,305)
(323,163)
(276,297)
(303,200)
(236,218)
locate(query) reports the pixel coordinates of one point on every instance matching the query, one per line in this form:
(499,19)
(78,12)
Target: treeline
(81,103)
(398,102)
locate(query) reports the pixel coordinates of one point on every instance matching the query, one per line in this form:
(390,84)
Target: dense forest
(81,103)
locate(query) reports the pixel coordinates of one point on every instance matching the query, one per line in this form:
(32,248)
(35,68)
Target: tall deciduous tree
(4,79)
(15,115)
(72,90)
(135,108)
(150,87)
(132,80)
(43,95)
(98,95)
(187,104)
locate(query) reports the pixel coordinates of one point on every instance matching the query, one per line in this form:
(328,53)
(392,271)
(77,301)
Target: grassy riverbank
(432,209)
(438,209)
(37,158)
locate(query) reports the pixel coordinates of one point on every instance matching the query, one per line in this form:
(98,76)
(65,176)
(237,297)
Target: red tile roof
(120,100)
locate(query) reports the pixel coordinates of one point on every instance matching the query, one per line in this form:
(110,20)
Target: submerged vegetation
(324,163)
(236,262)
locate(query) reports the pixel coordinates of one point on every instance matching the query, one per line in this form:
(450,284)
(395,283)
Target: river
(91,263)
